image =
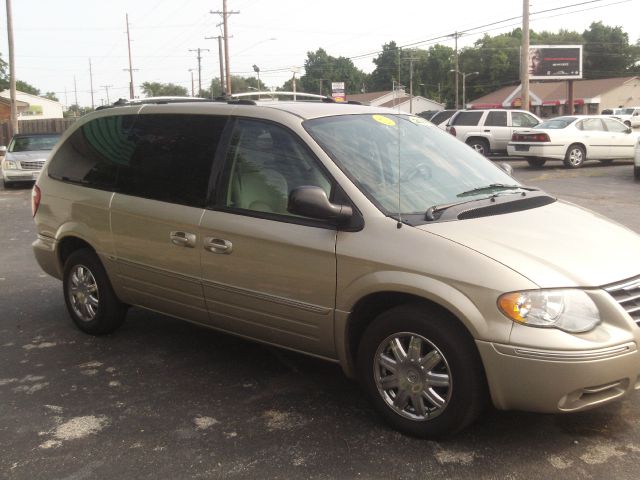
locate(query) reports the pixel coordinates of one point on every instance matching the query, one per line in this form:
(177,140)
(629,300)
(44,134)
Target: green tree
(321,69)
(434,74)
(157,89)
(51,96)
(607,52)
(386,71)
(76,111)
(26,88)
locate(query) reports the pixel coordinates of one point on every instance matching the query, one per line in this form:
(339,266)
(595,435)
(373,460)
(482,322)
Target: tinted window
(467,118)
(496,119)
(92,154)
(519,119)
(556,123)
(440,117)
(162,157)
(172,158)
(266,162)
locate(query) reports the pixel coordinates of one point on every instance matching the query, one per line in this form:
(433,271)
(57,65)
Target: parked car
(25,157)
(442,118)
(636,161)
(359,235)
(489,131)
(574,140)
(630,116)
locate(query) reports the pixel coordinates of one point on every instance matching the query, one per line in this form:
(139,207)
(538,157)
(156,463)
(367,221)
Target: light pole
(257,70)
(464,85)
(464,82)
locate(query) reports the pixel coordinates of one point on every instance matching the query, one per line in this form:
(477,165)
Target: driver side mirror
(311,201)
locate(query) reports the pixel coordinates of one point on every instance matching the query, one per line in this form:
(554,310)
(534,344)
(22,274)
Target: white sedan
(574,139)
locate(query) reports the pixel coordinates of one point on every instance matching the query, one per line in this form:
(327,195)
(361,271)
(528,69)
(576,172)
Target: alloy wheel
(412,376)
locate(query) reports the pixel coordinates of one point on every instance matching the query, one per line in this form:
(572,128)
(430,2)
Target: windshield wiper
(430,214)
(495,186)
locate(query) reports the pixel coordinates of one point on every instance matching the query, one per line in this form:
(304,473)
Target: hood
(28,156)
(558,245)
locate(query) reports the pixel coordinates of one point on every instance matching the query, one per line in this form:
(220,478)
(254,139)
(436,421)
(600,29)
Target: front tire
(90,299)
(575,156)
(422,371)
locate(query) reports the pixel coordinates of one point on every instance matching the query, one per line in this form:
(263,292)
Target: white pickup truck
(630,116)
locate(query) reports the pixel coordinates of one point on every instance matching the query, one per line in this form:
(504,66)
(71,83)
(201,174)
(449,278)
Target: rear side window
(172,159)
(161,157)
(519,119)
(467,118)
(496,119)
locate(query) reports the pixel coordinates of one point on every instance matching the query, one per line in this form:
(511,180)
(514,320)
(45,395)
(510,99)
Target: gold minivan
(355,234)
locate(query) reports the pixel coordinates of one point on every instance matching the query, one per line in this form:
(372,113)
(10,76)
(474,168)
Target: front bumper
(554,381)
(20,175)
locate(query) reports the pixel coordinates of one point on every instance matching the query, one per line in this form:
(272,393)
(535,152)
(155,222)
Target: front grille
(32,165)
(627,294)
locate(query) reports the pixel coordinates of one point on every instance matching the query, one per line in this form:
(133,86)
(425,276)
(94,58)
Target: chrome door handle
(218,245)
(183,239)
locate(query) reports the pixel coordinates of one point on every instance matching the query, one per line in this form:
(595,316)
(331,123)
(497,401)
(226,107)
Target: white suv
(489,131)
(630,116)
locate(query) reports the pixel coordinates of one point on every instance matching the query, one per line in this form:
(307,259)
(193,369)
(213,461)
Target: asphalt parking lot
(162,398)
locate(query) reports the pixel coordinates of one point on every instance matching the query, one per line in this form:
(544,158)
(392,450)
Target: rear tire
(6,184)
(90,299)
(536,162)
(575,156)
(636,173)
(422,371)
(480,145)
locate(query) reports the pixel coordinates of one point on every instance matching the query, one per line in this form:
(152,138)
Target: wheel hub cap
(412,376)
(83,293)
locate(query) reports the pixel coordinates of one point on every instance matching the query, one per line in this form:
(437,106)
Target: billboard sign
(337,91)
(555,62)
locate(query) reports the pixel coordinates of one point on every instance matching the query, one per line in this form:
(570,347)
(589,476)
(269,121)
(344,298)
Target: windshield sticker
(384,120)
(418,121)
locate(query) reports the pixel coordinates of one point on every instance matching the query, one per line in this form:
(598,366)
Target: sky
(56,40)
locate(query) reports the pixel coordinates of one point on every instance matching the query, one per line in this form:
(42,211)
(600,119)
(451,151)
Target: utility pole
(131,92)
(199,65)
(75,90)
(91,83)
(223,83)
(411,59)
(524,57)
(106,89)
(225,15)
(12,71)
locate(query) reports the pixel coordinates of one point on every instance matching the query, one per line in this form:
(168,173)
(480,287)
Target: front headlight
(570,310)
(10,165)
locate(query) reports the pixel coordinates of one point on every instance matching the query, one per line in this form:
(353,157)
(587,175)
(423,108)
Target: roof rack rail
(121,102)
(295,95)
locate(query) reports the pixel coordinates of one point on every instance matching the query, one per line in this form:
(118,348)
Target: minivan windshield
(33,143)
(405,164)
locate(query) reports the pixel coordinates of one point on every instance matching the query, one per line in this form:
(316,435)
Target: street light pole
(464,82)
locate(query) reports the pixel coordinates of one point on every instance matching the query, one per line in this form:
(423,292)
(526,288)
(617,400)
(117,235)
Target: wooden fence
(49,125)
